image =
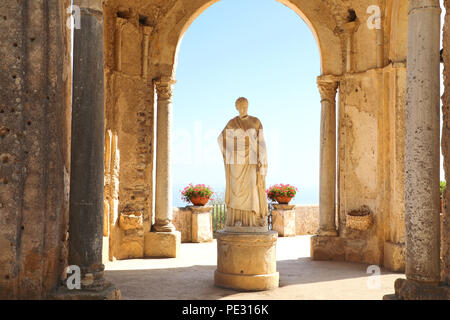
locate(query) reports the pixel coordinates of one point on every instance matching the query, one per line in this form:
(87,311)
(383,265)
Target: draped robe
(244,152)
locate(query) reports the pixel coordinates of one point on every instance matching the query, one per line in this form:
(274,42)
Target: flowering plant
(199,190)
(281,190)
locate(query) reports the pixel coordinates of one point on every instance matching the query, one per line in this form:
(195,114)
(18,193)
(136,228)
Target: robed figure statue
(244,154)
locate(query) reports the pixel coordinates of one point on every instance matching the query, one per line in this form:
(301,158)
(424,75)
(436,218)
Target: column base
(105,292)
(246,261)
(412,290)
(162,244)
(327,233)
(166,227)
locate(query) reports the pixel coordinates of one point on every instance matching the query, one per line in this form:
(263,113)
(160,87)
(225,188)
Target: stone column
(87,151)
(164,240)
(422,156)
(327,202)
(163,192)
(422,143)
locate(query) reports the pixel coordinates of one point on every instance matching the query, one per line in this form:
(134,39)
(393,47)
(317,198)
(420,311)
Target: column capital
(120,22)
(164,87)
(147,30)
(328,86)
(351,27)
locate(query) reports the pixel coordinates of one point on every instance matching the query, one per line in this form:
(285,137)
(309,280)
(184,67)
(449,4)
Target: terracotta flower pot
(284,200)
(199,201)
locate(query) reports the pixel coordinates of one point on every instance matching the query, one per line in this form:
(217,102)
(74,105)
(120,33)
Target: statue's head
(242,107)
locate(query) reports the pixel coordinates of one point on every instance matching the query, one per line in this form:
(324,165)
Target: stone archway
(164,61)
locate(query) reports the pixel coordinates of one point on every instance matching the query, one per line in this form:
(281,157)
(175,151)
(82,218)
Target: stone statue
(244,153)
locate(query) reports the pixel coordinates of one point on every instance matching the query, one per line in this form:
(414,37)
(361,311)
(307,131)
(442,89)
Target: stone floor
(190,277)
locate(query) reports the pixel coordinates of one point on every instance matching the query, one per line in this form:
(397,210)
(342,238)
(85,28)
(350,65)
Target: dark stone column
(87,165)
(87,152)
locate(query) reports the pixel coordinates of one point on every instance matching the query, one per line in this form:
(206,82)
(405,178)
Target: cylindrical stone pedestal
(246,261)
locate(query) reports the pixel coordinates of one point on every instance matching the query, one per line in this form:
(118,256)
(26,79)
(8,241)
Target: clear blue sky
(264,51)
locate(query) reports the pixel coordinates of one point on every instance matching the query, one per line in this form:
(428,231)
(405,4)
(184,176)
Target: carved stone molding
(328,89)
(164,88)
(120,23)
(145,49)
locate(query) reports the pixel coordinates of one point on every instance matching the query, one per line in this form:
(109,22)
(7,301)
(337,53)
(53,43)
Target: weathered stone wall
(446,149)
(129,112)
(34,146)
(371,138)
(306,219)
(359,161)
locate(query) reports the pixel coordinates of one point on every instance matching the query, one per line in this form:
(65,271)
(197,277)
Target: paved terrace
(191,276)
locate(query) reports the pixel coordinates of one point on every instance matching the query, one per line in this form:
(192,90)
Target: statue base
(246,261)
(246,229)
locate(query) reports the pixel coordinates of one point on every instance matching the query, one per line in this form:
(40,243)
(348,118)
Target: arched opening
(258,57)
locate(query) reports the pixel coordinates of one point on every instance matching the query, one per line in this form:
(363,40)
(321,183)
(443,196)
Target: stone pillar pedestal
(202,230)
(283,220)
(162,244)
(246,261)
